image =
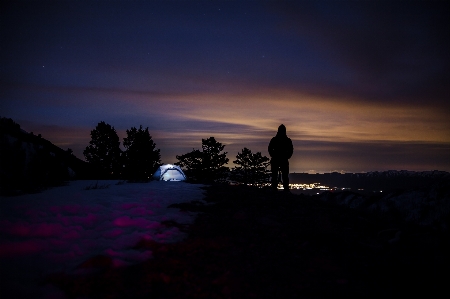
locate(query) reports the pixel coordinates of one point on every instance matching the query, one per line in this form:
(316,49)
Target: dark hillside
(29,162)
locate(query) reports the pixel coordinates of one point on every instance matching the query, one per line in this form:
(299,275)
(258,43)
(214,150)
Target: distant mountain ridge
(29,162)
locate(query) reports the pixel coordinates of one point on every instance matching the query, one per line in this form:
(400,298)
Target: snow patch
(62,228)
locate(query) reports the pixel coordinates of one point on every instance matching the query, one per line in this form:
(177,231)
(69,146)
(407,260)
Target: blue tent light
(169,172)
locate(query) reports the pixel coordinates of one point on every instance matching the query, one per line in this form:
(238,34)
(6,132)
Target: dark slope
(29,162)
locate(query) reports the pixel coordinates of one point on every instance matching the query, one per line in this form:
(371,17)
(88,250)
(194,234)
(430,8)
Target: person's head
(282,130)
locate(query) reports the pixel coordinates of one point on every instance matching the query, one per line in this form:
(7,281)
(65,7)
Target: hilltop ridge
(30,162)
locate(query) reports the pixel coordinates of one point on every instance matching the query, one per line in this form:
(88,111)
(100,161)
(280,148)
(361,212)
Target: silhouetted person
(280,150)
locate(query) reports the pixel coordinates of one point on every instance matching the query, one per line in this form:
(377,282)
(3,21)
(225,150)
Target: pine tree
(206,165)
(103,151)
(214,159)
(141,159)
(251,169)
(191,163)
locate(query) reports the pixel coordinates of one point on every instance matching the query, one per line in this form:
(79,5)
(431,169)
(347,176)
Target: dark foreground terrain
(253,243)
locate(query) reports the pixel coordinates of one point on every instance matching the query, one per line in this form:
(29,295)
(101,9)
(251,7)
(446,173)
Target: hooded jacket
(280,146)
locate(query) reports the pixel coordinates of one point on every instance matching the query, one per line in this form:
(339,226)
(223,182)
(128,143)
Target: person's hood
(281,130)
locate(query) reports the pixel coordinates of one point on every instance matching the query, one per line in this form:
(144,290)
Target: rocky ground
(255,243)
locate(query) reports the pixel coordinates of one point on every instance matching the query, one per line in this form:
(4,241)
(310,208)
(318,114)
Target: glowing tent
(169,172)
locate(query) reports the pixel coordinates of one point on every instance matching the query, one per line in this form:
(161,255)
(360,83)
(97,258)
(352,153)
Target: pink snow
(25,229)
(13,249)
(113,233)
(140,222)
(61,228)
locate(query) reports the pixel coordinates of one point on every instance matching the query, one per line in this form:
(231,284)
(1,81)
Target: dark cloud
(385,50)
(190,70)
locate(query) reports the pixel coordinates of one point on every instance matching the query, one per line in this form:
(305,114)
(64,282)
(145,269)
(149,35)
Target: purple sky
(360,86)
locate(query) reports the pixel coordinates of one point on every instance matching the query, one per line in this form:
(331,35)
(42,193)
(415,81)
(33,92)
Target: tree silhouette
(191,163)
(141,159)
(206,165)
(103,151)
(251,169)
(214,159)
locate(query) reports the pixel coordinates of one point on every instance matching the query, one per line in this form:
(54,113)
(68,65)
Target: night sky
(360,86)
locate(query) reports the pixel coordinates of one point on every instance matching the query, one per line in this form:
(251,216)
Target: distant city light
(306,186)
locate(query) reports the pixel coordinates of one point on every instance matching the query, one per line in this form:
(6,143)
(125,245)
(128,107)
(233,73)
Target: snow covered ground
(57,230)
